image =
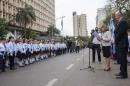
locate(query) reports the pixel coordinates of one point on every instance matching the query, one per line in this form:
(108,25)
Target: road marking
(52,82)
(78,59)
(69,67)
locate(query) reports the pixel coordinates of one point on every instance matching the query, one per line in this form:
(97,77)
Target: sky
(66,8)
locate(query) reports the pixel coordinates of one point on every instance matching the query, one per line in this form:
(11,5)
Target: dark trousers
(96,47)
(122,58)
(3,64)
(11,60)
(117,56)
(77,49)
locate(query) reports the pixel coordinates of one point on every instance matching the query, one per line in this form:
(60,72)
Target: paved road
(62,71)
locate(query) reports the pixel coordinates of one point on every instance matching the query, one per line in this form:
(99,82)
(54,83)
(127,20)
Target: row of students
(27,51)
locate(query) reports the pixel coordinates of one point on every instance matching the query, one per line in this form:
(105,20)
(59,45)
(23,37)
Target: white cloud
(66,8)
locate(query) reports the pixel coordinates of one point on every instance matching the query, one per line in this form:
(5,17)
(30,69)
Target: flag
(62,24)
(111,26)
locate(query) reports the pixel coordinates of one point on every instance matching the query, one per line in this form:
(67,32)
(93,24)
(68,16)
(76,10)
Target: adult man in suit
(121,42)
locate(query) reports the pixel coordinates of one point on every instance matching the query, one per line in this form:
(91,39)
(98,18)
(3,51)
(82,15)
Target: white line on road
(69,67)
(52,82)
(78,59)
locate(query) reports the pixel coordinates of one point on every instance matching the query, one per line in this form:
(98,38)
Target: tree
(122,6)
(52,31)
(3,28)
(31,34)
(25,17)
(107,19)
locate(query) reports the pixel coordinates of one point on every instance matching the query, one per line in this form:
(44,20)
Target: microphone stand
(90,68)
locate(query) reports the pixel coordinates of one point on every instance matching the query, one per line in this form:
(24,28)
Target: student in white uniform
(20,52)
(7,54)
(41,50)
(27,52)
(2,55)
(30,45)
(46,50)
(35,47)
(11,52)
(24,48)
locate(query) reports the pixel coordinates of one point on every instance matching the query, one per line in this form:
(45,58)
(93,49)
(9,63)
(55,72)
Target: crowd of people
(106,41)
(22,52)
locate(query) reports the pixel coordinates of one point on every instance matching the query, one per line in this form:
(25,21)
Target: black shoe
(109,69)
(93,61)
(13,68)
(121,77)
(3,71)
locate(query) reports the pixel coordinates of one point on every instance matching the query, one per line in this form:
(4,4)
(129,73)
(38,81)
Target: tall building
(79,24)
(44,10)
(102,13)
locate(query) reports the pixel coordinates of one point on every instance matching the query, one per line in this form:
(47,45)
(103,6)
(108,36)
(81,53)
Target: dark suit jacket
(121,35)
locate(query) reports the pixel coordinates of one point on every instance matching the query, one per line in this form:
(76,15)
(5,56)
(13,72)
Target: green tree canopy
(123,6)
(25,17)
(52,31)
(3,28)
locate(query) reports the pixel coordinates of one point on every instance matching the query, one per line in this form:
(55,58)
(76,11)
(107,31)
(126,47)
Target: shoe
(3,71)
(107,69)
(93,61)
(118,74)
(13,68)
(121,77)
(100,63)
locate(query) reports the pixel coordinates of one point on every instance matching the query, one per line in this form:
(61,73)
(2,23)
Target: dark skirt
(106,51)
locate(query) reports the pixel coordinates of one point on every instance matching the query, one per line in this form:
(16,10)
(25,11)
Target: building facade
(44,10)
(79,25)
(102,13)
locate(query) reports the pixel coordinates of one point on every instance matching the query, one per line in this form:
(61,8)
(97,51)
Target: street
(63,70)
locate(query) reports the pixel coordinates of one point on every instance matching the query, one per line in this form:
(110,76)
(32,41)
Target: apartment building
(44,10)
(79,25)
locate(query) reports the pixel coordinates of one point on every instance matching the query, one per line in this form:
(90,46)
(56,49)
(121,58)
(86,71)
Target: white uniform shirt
(2,47)
(31,48)
(55,47)
(2,50)
(10,48)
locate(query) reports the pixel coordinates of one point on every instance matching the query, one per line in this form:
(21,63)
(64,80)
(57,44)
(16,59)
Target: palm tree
(52,31)
(25,17)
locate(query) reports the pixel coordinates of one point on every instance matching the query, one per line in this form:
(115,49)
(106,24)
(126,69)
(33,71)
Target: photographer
(96,45)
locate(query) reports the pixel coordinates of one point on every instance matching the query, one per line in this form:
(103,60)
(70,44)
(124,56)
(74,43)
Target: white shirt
(2,47)
(2,50)
(95,39)
(106,38)
(10,48)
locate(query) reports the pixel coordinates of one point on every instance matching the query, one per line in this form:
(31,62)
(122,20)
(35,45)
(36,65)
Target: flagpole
(62,24)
